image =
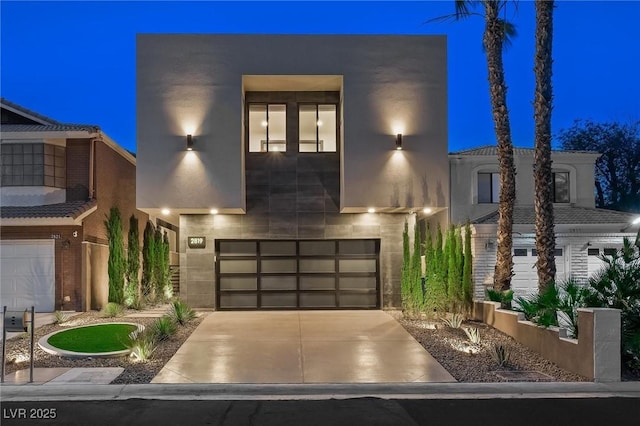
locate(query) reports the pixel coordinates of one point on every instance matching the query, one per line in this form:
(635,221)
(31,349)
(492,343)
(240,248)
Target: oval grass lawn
(93,338)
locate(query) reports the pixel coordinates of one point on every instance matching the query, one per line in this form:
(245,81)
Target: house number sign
(197,242)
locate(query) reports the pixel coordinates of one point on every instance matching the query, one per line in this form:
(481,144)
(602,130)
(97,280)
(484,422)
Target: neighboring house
(58,183)
(583,232)
(276,156)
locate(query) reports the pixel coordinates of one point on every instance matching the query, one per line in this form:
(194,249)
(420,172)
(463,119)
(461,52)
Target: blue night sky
(75,61)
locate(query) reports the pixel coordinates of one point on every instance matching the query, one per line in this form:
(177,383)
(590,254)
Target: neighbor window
(33,164)
(317,126)
(267,127)
(488,187)
(561,187)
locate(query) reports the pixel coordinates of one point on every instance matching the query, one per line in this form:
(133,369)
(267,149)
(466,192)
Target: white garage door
(525,278)
(27,270)
(594,263)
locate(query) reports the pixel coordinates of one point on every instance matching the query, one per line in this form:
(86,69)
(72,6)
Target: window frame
(495,198)
(554,187)
(46,163)
(248,126)
(337,128)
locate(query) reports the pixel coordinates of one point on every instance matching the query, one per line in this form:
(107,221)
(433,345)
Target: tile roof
(27,111)
(72,209)
(49,127)
(524,215)
(493,150)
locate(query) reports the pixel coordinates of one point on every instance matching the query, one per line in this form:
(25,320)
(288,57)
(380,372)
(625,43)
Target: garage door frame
(338,291)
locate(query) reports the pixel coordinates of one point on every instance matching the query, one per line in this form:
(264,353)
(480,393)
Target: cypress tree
(168,292)
(116,264)
(133,262)
(158,270)
(467,278)
(405,288)
(148,260)
(416,272)
(452,286)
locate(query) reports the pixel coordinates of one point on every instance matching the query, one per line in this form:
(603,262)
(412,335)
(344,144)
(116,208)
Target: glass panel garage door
(300,274)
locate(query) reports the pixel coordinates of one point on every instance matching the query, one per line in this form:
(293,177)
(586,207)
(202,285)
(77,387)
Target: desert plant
(453,321)
(473,333)
(617,285)
(60,317)
(541,308)
(180,312)
(112,310)
(163,328)
(504,297)
(572,297)
(142,344)
(500,354)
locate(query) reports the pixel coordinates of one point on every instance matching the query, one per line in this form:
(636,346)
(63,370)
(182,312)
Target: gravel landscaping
(447,345)
(134,372)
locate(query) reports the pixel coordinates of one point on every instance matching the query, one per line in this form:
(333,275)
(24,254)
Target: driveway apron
(301,347)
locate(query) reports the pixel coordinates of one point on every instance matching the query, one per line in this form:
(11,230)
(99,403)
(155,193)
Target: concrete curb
(83,392)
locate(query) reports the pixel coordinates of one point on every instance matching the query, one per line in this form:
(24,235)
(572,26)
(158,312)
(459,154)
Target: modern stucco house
(58,182)
(583,232)
(278,157)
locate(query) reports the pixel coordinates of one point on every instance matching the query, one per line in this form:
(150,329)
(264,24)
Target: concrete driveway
(301,347)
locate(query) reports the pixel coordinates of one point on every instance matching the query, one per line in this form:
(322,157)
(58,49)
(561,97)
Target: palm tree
(498,33)
(543,178)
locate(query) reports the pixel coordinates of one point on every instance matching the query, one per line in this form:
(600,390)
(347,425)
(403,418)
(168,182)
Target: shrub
(180,312)
(454,321)
(60,317)
(617,285)
(473,333)
(142,344)
(163,328)
(112,310)
(505,297)
(133,263)
(500,354)
(116,265)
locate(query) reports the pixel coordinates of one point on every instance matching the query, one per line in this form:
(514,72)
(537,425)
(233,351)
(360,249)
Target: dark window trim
(247,133)
(317,104)
(495,198)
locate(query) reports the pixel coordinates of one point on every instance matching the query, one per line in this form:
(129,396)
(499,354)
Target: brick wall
(115,186)
(78,153)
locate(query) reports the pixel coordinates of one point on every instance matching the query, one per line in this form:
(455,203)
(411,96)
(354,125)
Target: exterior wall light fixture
(399,141)
(371,210)
(189,143)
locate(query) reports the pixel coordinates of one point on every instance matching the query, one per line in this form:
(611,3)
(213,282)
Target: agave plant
(163,328)
(473,333)
(454,321)
(500,354)
(180,312)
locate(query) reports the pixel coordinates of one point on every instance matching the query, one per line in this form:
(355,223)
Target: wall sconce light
(189,143)
(399,141)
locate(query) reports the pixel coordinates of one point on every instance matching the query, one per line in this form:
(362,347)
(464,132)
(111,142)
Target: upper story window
(267,127)
(318,128)
(561,187)
(33,164)
(488,187)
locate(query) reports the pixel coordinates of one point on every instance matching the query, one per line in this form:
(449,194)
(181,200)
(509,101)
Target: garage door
(27,270)
(525,278)
(297,274)
(594,262)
